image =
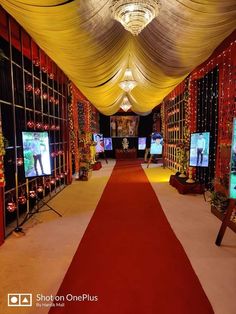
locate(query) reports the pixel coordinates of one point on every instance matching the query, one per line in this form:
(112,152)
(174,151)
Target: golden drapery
(94,50)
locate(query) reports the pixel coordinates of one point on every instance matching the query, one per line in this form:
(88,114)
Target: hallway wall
(212,81)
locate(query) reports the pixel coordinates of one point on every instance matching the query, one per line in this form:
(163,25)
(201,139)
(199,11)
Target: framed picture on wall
(124,126)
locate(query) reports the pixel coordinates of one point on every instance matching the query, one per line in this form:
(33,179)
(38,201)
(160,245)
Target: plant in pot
(219,193)
(219,200)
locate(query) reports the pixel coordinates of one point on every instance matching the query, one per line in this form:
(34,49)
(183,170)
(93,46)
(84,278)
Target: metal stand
(104,156)
(31,213)
(18,231)
(158,158)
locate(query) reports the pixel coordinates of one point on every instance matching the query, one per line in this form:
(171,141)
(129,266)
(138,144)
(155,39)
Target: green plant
(182,151)
(219,200)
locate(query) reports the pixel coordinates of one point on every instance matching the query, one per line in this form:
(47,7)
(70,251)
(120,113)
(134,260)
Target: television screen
(124,126)
(36,154)
(156,144)
(107,143)
(142,143)
(199,149)
(232,176)
(98,138)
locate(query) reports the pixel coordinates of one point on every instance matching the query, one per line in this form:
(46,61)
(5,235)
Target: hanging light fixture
(128,83)
(135,15)
(126,105)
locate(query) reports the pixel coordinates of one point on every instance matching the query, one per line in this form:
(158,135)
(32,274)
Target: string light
(206,95)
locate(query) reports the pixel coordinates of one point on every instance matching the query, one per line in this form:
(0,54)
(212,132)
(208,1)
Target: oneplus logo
(19,299)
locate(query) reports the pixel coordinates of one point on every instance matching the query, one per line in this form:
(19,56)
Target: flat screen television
(232,176)
(36,153)
(124,126)
(108,143)
(199,149)
(142,143)
(98,138)
(156,144)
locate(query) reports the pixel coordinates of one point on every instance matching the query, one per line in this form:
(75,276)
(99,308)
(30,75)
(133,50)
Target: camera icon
(19,299)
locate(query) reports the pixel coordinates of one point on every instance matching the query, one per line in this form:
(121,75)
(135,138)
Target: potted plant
(219,193)
(219,200)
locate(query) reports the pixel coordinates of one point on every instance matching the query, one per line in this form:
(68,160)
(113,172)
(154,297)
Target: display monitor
(98,138)
(156,144)
(36,152)
(199,149)
(142,143)
(124,126)
(232,177)
(108,143)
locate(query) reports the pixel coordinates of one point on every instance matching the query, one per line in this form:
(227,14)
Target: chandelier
(126,105)
(135,15)
(129,83)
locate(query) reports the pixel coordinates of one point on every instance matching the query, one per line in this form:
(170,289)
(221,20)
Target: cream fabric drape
(94,50)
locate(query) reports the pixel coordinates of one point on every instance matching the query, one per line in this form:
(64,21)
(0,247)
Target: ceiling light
(128,83)
(135,15)
(126,105)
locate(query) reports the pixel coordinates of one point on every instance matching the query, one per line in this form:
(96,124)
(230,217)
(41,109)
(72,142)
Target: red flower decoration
(51,76)
(30,124)
(22,200)
(11,207)
(19,161)
(45,96)
(44,68)
(40,189)
(28,87)
(32,194)
(36,62)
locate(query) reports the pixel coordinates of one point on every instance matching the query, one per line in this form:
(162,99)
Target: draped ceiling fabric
(94,50)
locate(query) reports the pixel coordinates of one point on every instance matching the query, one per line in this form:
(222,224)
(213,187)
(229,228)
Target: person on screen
(156,146)
(201,144)
(36,148)
(108,143)
(100,144)
(233,160)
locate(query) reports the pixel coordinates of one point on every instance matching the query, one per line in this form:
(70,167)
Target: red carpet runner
(129,256)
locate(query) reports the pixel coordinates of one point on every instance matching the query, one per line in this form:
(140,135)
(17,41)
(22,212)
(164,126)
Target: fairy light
(212,106)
